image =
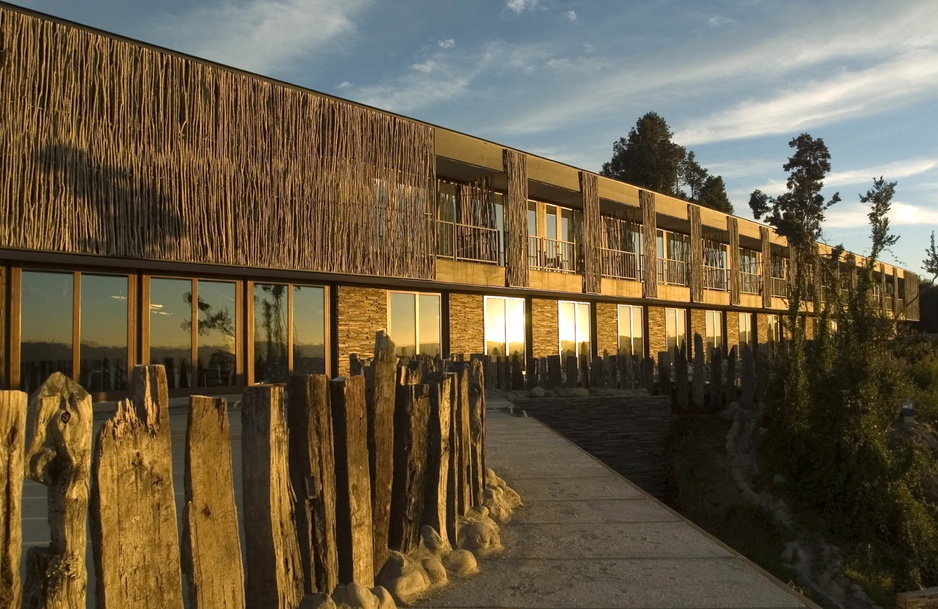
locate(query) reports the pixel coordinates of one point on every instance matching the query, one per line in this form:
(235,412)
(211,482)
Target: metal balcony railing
(780,287)
(551,255)
(618,264)
(672,272)
(750,283)
(467,242)
(715,278)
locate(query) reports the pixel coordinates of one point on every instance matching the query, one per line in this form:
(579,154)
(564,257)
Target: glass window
(47,305)
(532,219)
(271,364)
(504,326)
(216,333)
(574,328)
(773,334)
(414,323)
(171,329)
(103,332)
(745,329)
(714,331)
(675,329)
(631,331)
(309,330)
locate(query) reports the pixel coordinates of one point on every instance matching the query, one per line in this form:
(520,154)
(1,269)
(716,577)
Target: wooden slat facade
(649,234)
(516,220)
(732,227)
(696,254)
(766,267)
(592,228)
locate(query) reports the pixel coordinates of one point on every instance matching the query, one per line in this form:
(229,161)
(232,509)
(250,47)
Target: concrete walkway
(586,537)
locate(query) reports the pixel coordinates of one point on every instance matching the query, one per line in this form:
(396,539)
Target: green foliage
(647,158)
(930,264)
(832,409)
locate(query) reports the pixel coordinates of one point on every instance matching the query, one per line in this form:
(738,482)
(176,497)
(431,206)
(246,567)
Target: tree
(930,263)
(647,158)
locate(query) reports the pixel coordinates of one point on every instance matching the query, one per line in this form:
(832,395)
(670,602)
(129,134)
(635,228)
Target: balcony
(551,255)
(618,264)
(750,283)
(715,278)
(468,243)
(672,272)
(780,287)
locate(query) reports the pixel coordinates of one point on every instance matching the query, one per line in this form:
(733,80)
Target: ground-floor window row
(94,326)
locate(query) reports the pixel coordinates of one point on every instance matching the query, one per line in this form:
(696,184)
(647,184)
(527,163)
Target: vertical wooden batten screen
(114,149)
(766,267)
(911,296)
(732,227)
(896,296)
(516,220)
(646,200)
(592,229)
(696,254)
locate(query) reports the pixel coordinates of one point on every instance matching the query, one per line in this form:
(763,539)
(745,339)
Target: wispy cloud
(519,6)
(571,15)
(260,35)
(854,215)
(891,171)
(446,44)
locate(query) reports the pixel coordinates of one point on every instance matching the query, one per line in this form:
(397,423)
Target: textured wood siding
(466,323)
(911,296)
(732,227)
(110,148)
(544,327)
(696,254)
(592,228)
(516,220)
(362,312)
(766,267)
(649,232)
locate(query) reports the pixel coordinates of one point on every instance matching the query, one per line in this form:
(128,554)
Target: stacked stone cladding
(466,324)
(362,312)
(607,328)
(544,327)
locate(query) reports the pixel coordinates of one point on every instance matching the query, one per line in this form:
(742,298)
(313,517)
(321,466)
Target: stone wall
(607,328)
(362,312)
(545,331)
(732,330)
(698,325)
(466,324)
(657,336)
(762,328)
(626,433)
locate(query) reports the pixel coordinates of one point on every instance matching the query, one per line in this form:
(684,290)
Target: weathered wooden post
(517,373)
(312,473)
(532,373)
(747,386)
(461,447)
(680,376)
(716,379)
(381,443)
(352,481)
(12,458)
(730,391)
(583,364)
(411,426)
(664,372)
(477,431)
(597,373)
(647,374)
(211,555)
(697,386)
(136,559)
(438,452)
(274,567)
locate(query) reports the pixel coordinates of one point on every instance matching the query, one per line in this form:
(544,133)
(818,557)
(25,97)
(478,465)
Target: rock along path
(588,538)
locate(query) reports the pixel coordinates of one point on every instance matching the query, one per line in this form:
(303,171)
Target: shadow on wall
(128,215)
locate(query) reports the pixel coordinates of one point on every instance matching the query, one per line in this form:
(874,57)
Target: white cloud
(901,81)
(854,215)
(344,85)
(890,172)
(260,35)
(519,6)
(571,15)
(446,44)
(719,21)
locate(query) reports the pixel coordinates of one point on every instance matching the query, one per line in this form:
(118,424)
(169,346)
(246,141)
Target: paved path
(586,537)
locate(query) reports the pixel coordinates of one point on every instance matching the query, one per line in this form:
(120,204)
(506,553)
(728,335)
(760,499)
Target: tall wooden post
(12,450)
(274,567)
(211,546)
(477,431)
(136,557)
(438,453)
(312,471)
(381,443)
(352,481)
(411,426)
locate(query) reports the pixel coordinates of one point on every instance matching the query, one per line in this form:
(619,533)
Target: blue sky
(736,80)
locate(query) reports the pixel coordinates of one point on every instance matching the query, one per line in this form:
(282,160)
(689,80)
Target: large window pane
(171,329)
(631,340)
(514,327)
(309,330)
(583,328)
(216,334)
(574,328)
(495,327)
(103,332)
(270,333)
(676,329)
(402,327)
(428,329)
(45,327)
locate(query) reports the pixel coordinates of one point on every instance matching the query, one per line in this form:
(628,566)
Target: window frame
(416,295)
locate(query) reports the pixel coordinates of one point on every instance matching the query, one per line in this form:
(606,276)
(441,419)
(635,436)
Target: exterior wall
(362,312)
(657,332)
(762,329)
(545,327)
(698,325)
(810,327)
(466,323)
(607,328)
(732,330)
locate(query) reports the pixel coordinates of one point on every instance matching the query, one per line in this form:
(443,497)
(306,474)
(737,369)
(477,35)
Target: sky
(735,80)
